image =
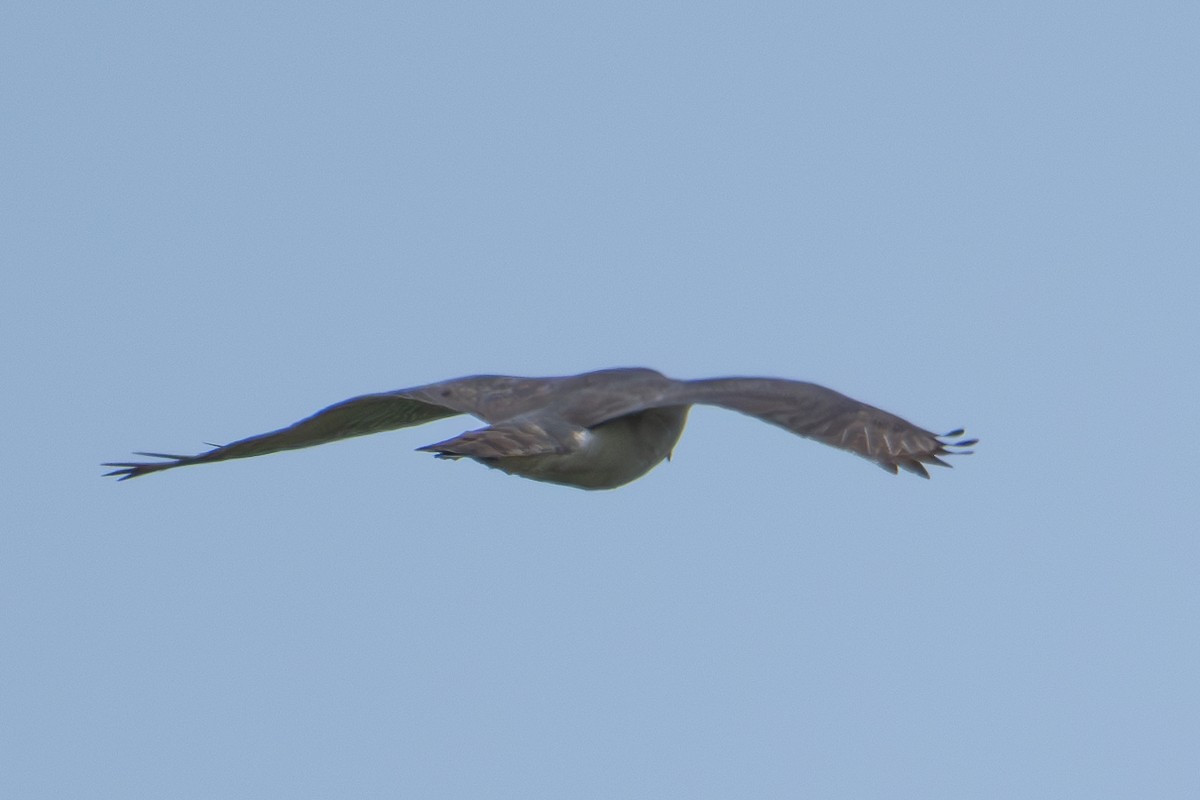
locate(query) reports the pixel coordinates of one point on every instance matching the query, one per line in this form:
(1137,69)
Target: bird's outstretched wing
(358,416)
(832,418)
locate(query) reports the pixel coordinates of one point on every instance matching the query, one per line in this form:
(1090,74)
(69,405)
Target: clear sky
(220,217)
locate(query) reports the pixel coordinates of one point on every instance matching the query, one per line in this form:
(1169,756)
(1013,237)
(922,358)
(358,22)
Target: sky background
(220,217)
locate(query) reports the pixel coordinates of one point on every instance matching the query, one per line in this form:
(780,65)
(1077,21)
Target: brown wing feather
(832,418)
(358,416)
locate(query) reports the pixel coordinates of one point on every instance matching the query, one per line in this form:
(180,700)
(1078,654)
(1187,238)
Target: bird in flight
(598,430)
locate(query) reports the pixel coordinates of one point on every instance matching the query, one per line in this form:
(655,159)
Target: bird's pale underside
(598,430)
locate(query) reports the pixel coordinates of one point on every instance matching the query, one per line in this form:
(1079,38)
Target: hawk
(597,430)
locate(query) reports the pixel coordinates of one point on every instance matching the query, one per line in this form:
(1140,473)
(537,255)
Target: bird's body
(597,430)
(606,456)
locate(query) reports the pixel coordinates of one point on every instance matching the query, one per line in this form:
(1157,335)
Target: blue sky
(218,218)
